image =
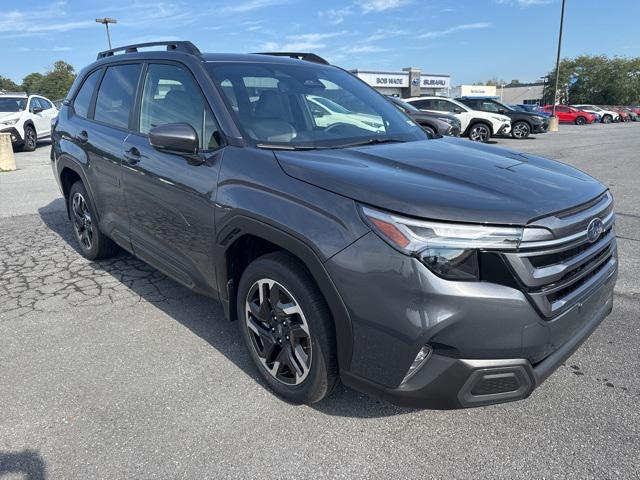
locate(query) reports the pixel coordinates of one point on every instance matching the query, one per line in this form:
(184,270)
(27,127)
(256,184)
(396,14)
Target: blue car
(531,109)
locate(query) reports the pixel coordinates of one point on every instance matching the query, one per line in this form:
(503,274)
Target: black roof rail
(182,46)
(309,57)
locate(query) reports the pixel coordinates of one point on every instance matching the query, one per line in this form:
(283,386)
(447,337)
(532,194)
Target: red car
(568,114)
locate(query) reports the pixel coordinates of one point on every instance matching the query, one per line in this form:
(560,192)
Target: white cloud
(303,42)
(380,5)
(365,49)
(41,21)
(383,34)
(457,28)
(336,15)
(315,37)
(250,5)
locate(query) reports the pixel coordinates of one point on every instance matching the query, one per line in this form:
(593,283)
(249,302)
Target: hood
(515,114)
(9,115)
(445,179)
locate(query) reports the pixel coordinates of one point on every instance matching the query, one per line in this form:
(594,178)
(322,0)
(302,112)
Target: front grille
(556,274)
(492,384)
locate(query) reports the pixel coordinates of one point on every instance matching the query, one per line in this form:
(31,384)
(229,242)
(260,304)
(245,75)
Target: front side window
(35,104)
(82,101)
(445,106)
(115,95)
(308,106)
(171,95)
(489,107)
(46,104)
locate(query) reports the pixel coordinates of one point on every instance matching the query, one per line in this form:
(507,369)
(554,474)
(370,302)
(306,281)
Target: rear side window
(83,98)
(116,94)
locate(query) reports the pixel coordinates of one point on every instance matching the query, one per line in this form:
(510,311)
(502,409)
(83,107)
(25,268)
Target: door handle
(132,156)
(83,136)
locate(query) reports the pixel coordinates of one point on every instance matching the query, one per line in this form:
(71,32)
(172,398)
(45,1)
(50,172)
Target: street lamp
(554,123)
(106,21)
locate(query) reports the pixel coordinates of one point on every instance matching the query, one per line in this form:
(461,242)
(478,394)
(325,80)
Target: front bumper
(15,135)
(489,343)
(540,127)
(504,129)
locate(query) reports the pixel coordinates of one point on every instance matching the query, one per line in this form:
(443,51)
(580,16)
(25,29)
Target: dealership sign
(433,81)
(384,79)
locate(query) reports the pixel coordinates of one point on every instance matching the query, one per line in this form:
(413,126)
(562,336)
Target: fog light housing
(421,358)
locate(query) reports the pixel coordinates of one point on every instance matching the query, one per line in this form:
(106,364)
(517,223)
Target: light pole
(106,21)
(555,90)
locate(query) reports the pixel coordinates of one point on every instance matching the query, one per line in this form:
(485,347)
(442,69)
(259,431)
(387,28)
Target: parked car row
(27,118)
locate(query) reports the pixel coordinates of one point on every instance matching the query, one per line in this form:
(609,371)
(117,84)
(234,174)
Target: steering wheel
(337,125)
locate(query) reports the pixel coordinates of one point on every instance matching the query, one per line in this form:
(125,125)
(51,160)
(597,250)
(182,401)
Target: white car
(326,112)
(478,126)
(606,116)
(27,118)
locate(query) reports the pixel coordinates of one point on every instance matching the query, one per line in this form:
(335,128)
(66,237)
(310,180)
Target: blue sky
(473,40)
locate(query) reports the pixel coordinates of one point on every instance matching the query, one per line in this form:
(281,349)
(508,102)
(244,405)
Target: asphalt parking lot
(111,370)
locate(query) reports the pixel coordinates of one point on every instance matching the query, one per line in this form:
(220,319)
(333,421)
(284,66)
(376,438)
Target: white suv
(26,118)
(478,126)
(606,116)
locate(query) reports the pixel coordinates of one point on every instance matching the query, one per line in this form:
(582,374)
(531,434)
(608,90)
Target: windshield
(308,106)
(12,104)
(406,106)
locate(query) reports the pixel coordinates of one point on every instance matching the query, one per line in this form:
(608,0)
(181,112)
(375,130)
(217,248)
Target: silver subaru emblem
(594,230)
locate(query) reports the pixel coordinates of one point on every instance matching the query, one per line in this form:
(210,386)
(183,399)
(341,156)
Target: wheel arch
(68,172)
(475,120)
(243,239)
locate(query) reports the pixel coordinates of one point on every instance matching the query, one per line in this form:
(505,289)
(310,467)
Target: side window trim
(137,105)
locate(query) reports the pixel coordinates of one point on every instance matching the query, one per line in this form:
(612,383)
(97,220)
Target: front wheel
(287,327)
(520,130)
(30,139)
(581,121)
(607,119)
(429,131)
(479,132)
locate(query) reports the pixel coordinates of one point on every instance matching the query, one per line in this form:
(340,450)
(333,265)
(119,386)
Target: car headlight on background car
(450,250)
(9,122)
(451,121)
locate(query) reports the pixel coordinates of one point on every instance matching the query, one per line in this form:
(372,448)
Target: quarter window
(171,95)
(115,95)
(83,98)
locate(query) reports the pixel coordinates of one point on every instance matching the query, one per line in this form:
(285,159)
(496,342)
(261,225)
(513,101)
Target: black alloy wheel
(30,139)
(581,121)
(82,222)
(278,331)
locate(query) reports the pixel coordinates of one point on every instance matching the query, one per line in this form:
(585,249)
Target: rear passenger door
(171,197)
(102,137)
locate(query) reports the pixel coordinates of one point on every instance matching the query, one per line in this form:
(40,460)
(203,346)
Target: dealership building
(410,82)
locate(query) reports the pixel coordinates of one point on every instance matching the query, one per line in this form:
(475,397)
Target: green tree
(8,84)
(31,83)
(596,79)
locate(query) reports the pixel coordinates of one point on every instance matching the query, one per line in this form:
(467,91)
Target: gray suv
(435,273)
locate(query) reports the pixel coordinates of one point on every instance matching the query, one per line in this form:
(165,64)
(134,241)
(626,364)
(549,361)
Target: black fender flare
(64,162)
(241,225)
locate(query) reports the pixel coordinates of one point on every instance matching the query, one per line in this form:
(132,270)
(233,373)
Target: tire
(607,119)
(581,121)
(30,139)
(280,357)
(520,130)
(430,131)
(479,132)
(92,243)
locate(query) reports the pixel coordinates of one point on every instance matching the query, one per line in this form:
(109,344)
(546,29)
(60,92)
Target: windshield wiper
(370,141)
(270,146)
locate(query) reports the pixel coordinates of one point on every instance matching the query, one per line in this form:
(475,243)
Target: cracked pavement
(111,370)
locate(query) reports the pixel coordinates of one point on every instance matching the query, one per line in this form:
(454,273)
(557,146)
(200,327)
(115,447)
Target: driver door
(40,120)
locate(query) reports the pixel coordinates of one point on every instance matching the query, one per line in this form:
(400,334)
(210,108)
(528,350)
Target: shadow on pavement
(27,463)
(204,317)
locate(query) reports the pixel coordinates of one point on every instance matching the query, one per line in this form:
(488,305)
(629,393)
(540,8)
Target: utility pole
(106,21)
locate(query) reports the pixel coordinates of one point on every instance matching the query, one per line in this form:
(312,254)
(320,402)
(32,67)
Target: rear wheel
(93,244)
(520,130)
(287,328)
(581,121)
(479,132)
(607,119)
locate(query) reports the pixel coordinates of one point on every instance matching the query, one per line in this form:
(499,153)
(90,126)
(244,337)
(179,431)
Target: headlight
(501,119)
(10,122)
(449,250)
(451,121)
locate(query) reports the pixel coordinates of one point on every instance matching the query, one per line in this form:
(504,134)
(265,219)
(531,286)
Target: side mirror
(502,111)
(178,138)
(36,110)
(457,110)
